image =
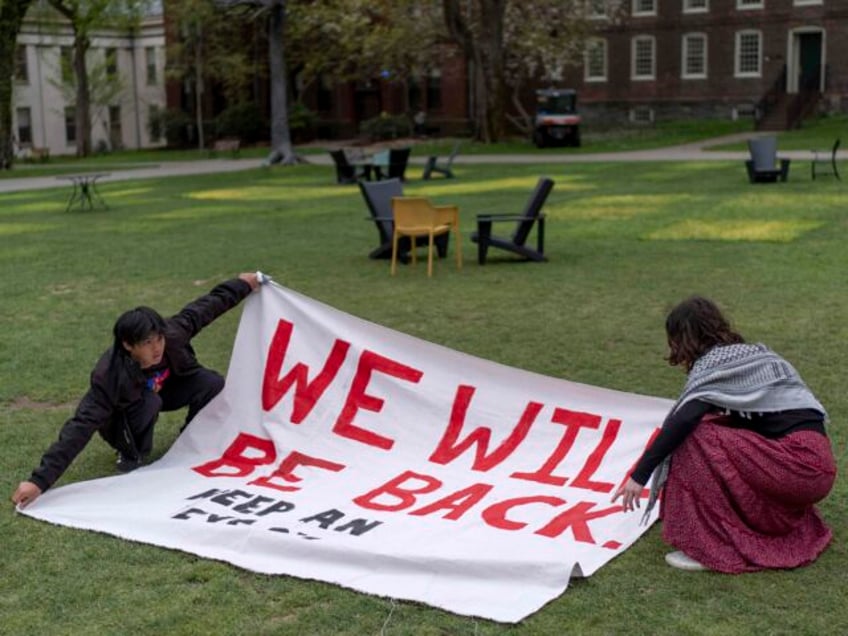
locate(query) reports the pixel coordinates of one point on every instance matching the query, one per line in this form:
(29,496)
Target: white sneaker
(683,562)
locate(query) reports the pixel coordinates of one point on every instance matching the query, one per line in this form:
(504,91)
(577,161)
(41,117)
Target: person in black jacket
(151,367)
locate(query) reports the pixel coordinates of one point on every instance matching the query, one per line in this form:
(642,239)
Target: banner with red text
(346,452)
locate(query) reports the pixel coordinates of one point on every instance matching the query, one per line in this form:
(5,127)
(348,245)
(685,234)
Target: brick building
(776,60)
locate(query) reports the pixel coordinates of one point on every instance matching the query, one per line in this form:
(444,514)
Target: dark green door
(809,58)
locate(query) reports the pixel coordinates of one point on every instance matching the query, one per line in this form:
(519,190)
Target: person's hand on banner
(630,491)
(26,493)
(254,279)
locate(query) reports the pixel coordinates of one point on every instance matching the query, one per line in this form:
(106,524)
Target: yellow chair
(415,217)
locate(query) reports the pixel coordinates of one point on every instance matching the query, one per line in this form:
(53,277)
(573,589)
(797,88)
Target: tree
(339,40)
(84,17)
(508,43)
(207,47)
(12,14)
(274,12)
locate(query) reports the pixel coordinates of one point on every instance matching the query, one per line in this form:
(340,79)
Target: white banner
(347,452)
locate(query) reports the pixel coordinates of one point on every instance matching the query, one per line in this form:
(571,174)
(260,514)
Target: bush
(301,121)
(175,125)
(243,121)
(385,126)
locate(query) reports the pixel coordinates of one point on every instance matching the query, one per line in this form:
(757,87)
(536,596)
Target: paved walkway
(687,152)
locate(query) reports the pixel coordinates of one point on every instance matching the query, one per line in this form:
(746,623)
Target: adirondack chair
(765,166)
(378,197)
(398,158)
(524,222)
(345,171)
(444,168)
(824,162)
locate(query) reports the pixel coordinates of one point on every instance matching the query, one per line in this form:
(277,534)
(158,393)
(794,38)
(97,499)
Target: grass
(626,241)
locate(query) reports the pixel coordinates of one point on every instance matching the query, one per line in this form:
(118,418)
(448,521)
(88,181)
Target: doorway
(806,68)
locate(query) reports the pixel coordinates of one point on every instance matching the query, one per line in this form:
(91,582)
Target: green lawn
(625,241)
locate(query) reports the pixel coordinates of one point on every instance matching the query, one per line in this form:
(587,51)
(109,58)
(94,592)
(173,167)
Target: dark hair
(694,327)
(136,325)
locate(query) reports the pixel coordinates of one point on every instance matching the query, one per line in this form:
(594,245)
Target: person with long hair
(151,367)
(742,457)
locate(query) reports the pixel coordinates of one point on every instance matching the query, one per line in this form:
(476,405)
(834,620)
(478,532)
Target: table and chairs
(354,164)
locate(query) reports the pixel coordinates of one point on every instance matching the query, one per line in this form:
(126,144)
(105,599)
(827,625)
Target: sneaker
(681,561)
(126,464)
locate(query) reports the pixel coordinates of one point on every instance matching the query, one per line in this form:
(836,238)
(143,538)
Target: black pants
(131,430)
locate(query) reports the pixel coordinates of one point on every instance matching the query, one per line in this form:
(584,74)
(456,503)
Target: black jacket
(117,380)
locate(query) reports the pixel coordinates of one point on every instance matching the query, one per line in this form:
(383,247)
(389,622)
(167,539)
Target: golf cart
(557,122)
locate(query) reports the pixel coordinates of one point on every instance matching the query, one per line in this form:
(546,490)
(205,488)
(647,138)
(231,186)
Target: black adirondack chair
(345,171)
(378,197)
(524,222)
(433,164)
(398,158)
(765,166)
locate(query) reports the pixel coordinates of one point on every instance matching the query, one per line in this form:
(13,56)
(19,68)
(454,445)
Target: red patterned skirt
(738,502)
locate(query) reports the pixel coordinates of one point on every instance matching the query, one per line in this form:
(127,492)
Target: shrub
(385,126)
(243,120)
(175,125)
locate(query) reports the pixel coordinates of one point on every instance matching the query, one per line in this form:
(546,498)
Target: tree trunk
(486,54)
(492,66)
(281,145)
(12,14)
(83,99)
(198,87)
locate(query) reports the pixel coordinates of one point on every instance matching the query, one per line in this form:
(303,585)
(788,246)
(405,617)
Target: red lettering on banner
(593,462)
(495,515)
(235,457)
(458,503)
(573,421)
(285,470)
(357,398)
(449,448)
(401,493)
(306,393)
(405,495)
(576,518)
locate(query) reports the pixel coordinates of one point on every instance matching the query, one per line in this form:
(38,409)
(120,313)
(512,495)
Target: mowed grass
(625,241)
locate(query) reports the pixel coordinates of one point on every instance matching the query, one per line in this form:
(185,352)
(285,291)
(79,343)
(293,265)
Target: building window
(66,63)
(324,94)
(150,61)
(414,93)
(694,63)
(645,7)
(111,57)
(800,3)
(643,58)
(750,4)
(23,116)
(154,122)
(748,54)
(642,115)
(116,141)
(696,6)
(21,69)
(596,60)
(70,125)
(434,90)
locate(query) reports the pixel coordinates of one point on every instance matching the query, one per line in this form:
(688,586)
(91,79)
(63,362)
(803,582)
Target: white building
(43,113)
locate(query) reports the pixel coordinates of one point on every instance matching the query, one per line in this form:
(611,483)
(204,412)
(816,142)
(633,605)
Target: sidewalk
(686,152)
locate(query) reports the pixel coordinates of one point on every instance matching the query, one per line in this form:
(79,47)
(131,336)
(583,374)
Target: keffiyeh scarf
(744,378)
